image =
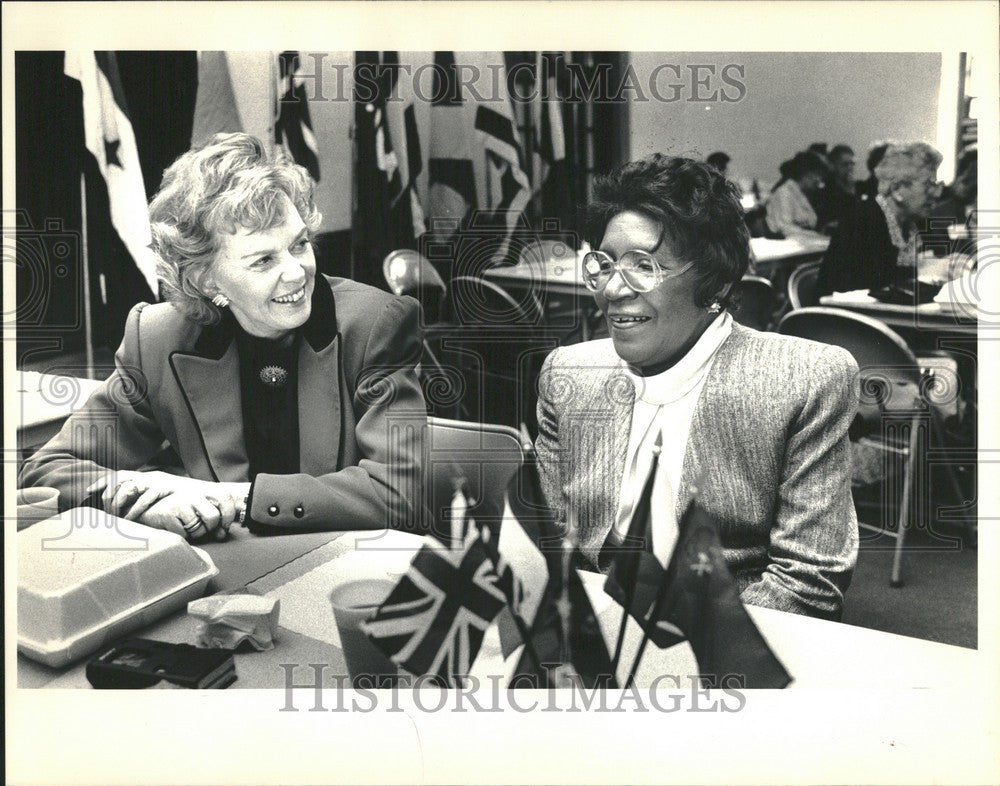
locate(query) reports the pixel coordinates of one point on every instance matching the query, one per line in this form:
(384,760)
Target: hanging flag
(110,139)
(236,92)
(434,621)
(292,127)
(552,183)
(384,220)
(698,594)
(452,190)
(400,121)
(215,109)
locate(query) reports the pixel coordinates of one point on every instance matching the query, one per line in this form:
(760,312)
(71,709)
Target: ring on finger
(191,527)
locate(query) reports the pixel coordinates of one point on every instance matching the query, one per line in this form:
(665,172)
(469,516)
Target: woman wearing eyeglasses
(759,421)
(876,244)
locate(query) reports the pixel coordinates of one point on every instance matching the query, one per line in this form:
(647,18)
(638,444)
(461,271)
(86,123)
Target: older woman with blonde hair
(288,398)
(876,244)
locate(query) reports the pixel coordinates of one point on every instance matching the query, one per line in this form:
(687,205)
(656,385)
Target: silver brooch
(273,376)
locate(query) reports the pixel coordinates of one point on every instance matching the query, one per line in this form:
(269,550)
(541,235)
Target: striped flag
(434,621)
(292,127)
(452,174)
(400,123)
(215,109)
(236,92)
(110,139)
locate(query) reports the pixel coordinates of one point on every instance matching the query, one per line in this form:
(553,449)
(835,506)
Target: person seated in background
(838,195)
(868,188)
(958,200)
(789,209)
(876,244)
(719,160)
(758,421)
(275,387)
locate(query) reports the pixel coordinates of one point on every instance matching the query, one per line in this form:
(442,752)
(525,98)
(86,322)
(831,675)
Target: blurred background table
(44,403)
(947,317)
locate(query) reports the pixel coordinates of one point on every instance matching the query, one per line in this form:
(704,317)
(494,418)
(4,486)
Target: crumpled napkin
(229,620)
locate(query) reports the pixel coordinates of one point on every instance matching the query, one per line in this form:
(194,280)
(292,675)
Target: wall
(791,100)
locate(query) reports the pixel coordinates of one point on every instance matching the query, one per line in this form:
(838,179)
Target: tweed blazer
(176,384)
(768,447)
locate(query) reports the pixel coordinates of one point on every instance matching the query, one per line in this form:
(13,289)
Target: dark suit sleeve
(814,541)
(115,429)
(383,488)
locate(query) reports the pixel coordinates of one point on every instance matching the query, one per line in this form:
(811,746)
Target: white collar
(678,380)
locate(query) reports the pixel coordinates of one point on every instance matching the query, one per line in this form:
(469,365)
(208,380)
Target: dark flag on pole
(698,594)
(388,215)
(635,573)
(566,642)
(292,127)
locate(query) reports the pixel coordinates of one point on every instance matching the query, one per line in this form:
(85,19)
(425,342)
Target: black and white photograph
(612,409)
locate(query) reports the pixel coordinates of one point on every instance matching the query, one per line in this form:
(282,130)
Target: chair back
(890,377)
(485,455)
(476,301)
(802,286)
(753,302)
(407,272)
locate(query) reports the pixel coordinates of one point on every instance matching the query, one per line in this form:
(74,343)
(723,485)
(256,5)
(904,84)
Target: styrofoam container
(85,578)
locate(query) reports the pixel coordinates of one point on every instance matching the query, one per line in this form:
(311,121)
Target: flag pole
(658,610)
(88,326)
(630,589)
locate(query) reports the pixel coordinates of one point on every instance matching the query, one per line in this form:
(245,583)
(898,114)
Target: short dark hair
(806,162)
(875,156)
(841,150)
(697,207)
(718,159)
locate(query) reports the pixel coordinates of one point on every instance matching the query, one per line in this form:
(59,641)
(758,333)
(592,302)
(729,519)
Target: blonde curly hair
(905,162)
(228,183)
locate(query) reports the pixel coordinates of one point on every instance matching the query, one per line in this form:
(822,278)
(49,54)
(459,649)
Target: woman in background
(284,394)
(759,419)
(876,244)
(789,209)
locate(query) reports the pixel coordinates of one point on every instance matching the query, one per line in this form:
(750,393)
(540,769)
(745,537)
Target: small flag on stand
(565,639)
(434,621)
(635,573)
(565,636)
(698,595)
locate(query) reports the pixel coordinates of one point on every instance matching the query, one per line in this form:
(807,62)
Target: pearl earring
(715,308)
(220,300)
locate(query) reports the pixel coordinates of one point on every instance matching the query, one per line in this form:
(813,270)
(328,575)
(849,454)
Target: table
(45,401)
(300,570)
(952,318)
(564,274)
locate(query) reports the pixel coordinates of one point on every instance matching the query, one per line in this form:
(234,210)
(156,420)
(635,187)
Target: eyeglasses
(638,269)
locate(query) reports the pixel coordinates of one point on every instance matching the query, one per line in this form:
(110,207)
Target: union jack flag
(433,622)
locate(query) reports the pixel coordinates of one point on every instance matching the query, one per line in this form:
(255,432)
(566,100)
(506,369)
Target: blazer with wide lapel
(208,381)
(763,392)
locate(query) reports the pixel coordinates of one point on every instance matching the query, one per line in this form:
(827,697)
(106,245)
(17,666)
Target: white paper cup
(353,602)
(36,504)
